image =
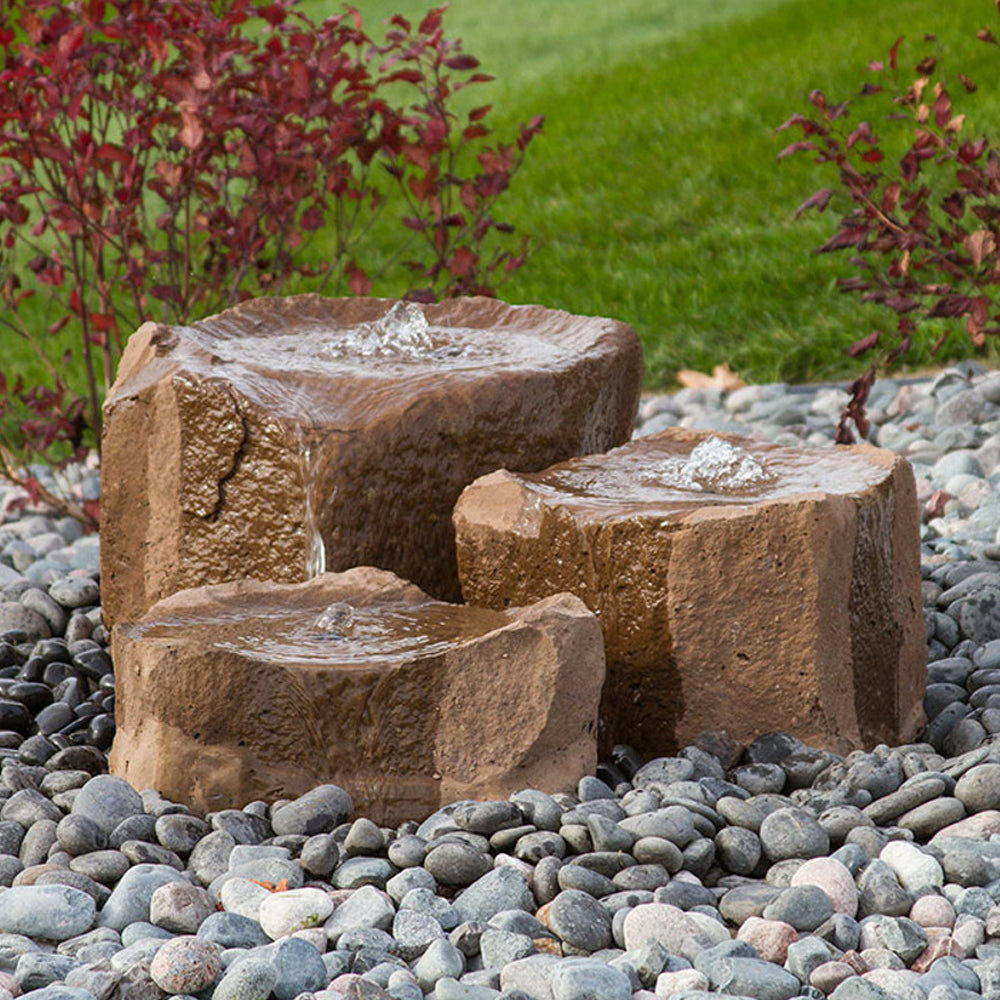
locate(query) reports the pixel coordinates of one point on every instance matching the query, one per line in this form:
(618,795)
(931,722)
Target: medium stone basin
(250,690)
(739,584)
(287,436)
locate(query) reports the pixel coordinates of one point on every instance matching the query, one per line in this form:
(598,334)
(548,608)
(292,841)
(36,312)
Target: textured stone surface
(202,477)
(451,702)
(794,605)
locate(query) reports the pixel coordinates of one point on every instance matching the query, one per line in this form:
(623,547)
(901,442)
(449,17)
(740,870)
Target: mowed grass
(654,194)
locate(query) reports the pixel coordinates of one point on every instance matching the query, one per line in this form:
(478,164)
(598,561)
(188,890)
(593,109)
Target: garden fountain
(248,455)
(735,580)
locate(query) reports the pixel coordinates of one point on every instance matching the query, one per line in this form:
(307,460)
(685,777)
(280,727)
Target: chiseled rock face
(232,443)
(359,679)
(784,597)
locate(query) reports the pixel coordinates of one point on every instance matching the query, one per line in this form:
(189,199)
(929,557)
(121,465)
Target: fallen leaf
(721,378)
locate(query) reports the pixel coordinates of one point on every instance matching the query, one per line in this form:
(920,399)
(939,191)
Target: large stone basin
(248,690)
(283,437)
(782,592)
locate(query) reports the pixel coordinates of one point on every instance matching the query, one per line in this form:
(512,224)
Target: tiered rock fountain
(287,437)
(745,586)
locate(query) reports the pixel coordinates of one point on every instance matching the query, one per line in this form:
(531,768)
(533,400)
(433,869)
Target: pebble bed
(769,871)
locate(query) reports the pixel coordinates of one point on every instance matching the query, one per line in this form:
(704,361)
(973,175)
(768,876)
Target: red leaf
(894,52)
(969,152)
(300,83)
(462,262)
(422,188)
(93,12)
(942,109)
(312,218)
(819,201)
(431,21)
(359,282)
(461,62)
(101,322)
(864,344)
(801,146)
(873,156)
(862,133)
(949,306)
(273,13)
(476,114)
(418,155)
(954,205)
(474,132)
(113,153)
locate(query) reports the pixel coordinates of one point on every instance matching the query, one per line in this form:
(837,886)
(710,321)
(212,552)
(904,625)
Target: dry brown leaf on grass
(721,378)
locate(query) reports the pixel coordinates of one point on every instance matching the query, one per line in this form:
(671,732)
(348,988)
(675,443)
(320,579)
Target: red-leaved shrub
(163,159)
(922,222)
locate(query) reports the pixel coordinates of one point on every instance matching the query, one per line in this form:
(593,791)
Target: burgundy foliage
(163,159)
(922,225)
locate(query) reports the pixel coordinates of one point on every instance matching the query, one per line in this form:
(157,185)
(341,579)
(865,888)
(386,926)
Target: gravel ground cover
(770,871)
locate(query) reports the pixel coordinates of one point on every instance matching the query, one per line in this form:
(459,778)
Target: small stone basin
(288,436)
(250,690)
(739,583)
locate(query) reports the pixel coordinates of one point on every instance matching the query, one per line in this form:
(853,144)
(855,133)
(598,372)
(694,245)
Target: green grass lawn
(654,195)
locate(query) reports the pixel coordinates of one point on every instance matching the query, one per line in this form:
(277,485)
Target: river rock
(186,964)
(417,717)
(52,912)
(252,438)
(816,620)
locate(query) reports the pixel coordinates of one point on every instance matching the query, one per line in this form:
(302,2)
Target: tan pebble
(828,976)
(771,938)
(939,945)
(933,911)
(834,878)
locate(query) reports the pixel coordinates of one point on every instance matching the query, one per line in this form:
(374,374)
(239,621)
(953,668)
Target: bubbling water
(715,466)
(336,621)
(402,332)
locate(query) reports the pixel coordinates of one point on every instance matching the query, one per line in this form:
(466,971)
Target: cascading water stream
(401,334)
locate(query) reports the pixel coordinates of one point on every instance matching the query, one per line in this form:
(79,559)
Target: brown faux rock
(790,603)
(239,691)
(224,441)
